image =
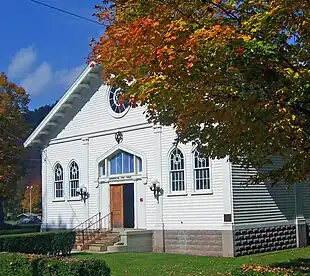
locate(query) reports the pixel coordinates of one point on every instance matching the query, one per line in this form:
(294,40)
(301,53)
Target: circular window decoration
(58,172)
(177,158)
(117,103)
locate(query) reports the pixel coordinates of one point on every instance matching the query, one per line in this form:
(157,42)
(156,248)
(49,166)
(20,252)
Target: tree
(35,197)
(232,77)
(13,127)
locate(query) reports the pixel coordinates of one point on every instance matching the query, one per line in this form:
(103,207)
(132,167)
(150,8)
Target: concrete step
(96,241)
(103,242)
(97,248)
(114,239)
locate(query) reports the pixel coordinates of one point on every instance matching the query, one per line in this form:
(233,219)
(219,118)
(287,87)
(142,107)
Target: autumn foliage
(35,197)
(231,76)
(13,127)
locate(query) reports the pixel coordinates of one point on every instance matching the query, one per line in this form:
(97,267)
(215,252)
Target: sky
(44,50)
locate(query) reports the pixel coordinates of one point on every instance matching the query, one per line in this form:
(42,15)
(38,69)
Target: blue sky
(44,50)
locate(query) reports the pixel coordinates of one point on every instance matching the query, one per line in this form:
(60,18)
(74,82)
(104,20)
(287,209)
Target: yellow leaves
(245,37)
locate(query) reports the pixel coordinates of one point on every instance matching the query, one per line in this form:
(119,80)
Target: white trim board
(78,84)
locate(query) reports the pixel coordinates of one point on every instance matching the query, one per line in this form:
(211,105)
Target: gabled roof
(85,81)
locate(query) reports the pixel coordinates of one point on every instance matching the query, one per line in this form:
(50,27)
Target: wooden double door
(122,205)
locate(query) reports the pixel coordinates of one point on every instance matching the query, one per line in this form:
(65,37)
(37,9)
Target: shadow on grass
(294,264)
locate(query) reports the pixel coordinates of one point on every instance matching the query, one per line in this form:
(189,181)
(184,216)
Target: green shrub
(20,230)
(51,243)
(35,265)
(68,266)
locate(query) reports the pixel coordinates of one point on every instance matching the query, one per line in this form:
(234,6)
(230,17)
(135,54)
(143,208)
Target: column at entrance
(301,226)
(85,144)
(159,233)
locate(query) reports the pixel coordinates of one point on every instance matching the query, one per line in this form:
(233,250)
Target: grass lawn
(171,264)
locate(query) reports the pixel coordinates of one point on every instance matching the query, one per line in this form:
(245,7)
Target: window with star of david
(59,181)
(74,179)
(177,171)
(201,173)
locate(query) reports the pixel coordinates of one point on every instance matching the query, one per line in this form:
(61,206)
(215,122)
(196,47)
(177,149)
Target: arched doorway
(121,169)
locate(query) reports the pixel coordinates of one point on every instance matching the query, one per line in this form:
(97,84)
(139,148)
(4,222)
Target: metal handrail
(98,221)
(85,221)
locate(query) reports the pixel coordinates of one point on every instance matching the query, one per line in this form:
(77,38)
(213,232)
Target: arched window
(177,182)
(123,163)
(74,178)
(201,172)
(59,181)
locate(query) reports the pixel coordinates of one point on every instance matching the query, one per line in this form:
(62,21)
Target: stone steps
(97,241)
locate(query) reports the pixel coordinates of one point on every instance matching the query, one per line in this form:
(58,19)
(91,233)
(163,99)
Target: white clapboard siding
(260,203)
(94,116)
(64,213)
(91,133)
(142,142)
(191,211)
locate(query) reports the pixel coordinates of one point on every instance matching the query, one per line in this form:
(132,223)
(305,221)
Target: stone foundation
(194,242)
(308,232)
(133,241)
(264,239)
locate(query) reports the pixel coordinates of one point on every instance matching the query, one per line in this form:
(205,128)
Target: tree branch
(230,14)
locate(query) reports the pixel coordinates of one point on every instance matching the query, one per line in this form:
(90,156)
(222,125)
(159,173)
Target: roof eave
(47,124)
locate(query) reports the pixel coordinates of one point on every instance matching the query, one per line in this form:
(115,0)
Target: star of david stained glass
(117,104)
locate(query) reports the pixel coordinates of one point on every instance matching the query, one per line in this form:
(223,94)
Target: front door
(122,205)
(117,206)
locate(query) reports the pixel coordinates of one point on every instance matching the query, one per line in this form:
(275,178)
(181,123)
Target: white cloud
(35,82)
(36,79)
(67,76)
(22,62)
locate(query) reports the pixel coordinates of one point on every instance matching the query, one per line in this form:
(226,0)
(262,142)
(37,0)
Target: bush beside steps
(46,243)
(17,264)
(19,229)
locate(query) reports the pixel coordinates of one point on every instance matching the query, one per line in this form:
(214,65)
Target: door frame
(115,183)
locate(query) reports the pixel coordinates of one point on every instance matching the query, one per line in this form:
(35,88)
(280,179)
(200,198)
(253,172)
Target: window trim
(54,182)
(70,180)
(142,175)
(111,111)
(193,169)
(170,192)
(106,173)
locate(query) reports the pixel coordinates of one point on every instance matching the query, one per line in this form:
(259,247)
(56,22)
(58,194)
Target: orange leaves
(155,24)
(2,110)
(224,55)
(35,195)
(240,51)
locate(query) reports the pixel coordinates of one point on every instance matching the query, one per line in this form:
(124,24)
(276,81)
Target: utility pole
(30,188)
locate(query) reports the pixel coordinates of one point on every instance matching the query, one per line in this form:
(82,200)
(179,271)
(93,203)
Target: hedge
(35,265)
(20,230)
(47,243)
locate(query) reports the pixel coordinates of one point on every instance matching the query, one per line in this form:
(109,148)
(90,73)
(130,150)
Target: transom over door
(116,206)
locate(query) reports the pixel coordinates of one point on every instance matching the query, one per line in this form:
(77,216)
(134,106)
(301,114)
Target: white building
(91,140)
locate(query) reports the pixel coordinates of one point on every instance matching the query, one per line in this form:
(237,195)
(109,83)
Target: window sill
(202,193)
(177,194)
(59,200)
(74,199)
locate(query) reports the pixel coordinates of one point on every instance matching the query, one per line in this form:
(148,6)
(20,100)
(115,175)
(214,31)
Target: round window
(117,103)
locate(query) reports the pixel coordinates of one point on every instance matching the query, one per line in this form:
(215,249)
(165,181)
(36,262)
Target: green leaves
(230,66)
